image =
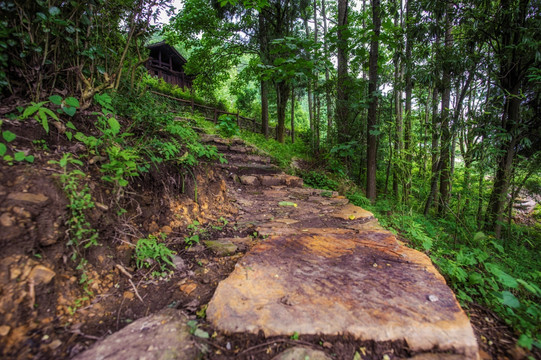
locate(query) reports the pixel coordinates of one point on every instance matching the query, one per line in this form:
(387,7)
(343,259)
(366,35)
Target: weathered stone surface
(352,212)
(301,353)
(41,275)
(364,284)
(268,180)
(162,336)
(7,220)
(4,330)
(28,197)
(221,247)
(249,180)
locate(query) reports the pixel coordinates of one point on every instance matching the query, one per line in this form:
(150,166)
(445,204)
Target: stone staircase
(324,267)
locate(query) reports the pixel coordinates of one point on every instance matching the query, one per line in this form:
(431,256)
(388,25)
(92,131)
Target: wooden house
(166,62)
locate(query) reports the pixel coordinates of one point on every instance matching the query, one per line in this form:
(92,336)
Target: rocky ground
(361,292)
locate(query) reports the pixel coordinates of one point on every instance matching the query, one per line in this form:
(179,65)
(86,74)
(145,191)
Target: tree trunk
(264,108)
(445,121)
(282,93)
(263,48)
(434,150)
(327,90)
(408,90)
(292,114)
(342,91)
(372,110)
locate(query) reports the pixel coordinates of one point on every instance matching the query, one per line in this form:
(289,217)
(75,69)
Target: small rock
(179,263)
(21,212)
(128,295)
(188,287)
(221,247)
(299,352)
(7,220)
(433,298)
(166,230)
(28,197)
(4,330)
(249,180)
(101,206)
(55,344)
(41,275)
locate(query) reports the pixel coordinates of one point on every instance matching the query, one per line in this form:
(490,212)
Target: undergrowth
(503,274)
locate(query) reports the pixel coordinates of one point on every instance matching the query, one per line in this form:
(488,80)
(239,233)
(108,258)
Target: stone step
(234,157)
(271,180)
(241,169)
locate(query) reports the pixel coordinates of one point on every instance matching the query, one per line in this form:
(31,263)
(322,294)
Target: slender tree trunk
(264,84)
(342,90)
(282,92)
(445,121)
(434,150)
(292,114)
(398,175)
(309,91)
(317,113)
(264,108)
(327,90)
(372,110)
(408,90)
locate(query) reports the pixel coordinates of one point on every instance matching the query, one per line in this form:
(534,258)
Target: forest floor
(46,314)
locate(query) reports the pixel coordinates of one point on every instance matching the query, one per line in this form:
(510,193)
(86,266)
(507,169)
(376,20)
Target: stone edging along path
(327,267)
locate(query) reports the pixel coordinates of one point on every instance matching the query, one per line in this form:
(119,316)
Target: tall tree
(372,110)
(342,85)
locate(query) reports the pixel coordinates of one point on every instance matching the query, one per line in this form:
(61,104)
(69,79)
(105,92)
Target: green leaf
(42,16)
(201,333)
(531,288)
(3,149)
(44,121)
(287,203)
(19,156)
(29,158)
(53,10)
(502,277)
(525,341)
(479,236)
(48,112)
(56,99)
(69,110)
(69,135)
(8,136)
(509,299)
(114,125)
(70,125)
(73,102)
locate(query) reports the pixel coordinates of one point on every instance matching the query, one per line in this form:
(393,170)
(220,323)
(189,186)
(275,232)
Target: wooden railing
(243,122)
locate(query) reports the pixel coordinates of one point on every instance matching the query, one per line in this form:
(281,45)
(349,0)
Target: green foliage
(481,268)
(195,231)
(319,180)
(149,252)
(282,154)
(227,125)
(80,232)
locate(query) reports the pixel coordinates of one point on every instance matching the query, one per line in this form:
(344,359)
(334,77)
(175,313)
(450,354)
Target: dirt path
(322,268)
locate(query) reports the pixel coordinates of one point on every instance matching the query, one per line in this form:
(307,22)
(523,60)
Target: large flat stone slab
(161,336)
(365,284)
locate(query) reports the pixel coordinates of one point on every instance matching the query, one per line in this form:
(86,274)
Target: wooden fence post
(192,106)
(238,120)
(215,115)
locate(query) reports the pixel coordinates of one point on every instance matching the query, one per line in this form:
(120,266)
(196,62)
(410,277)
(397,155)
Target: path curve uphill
(328,268)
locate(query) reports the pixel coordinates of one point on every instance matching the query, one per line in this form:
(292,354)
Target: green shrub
(149,251)
(319,181)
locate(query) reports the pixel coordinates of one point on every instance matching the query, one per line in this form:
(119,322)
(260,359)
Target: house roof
(168,50)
